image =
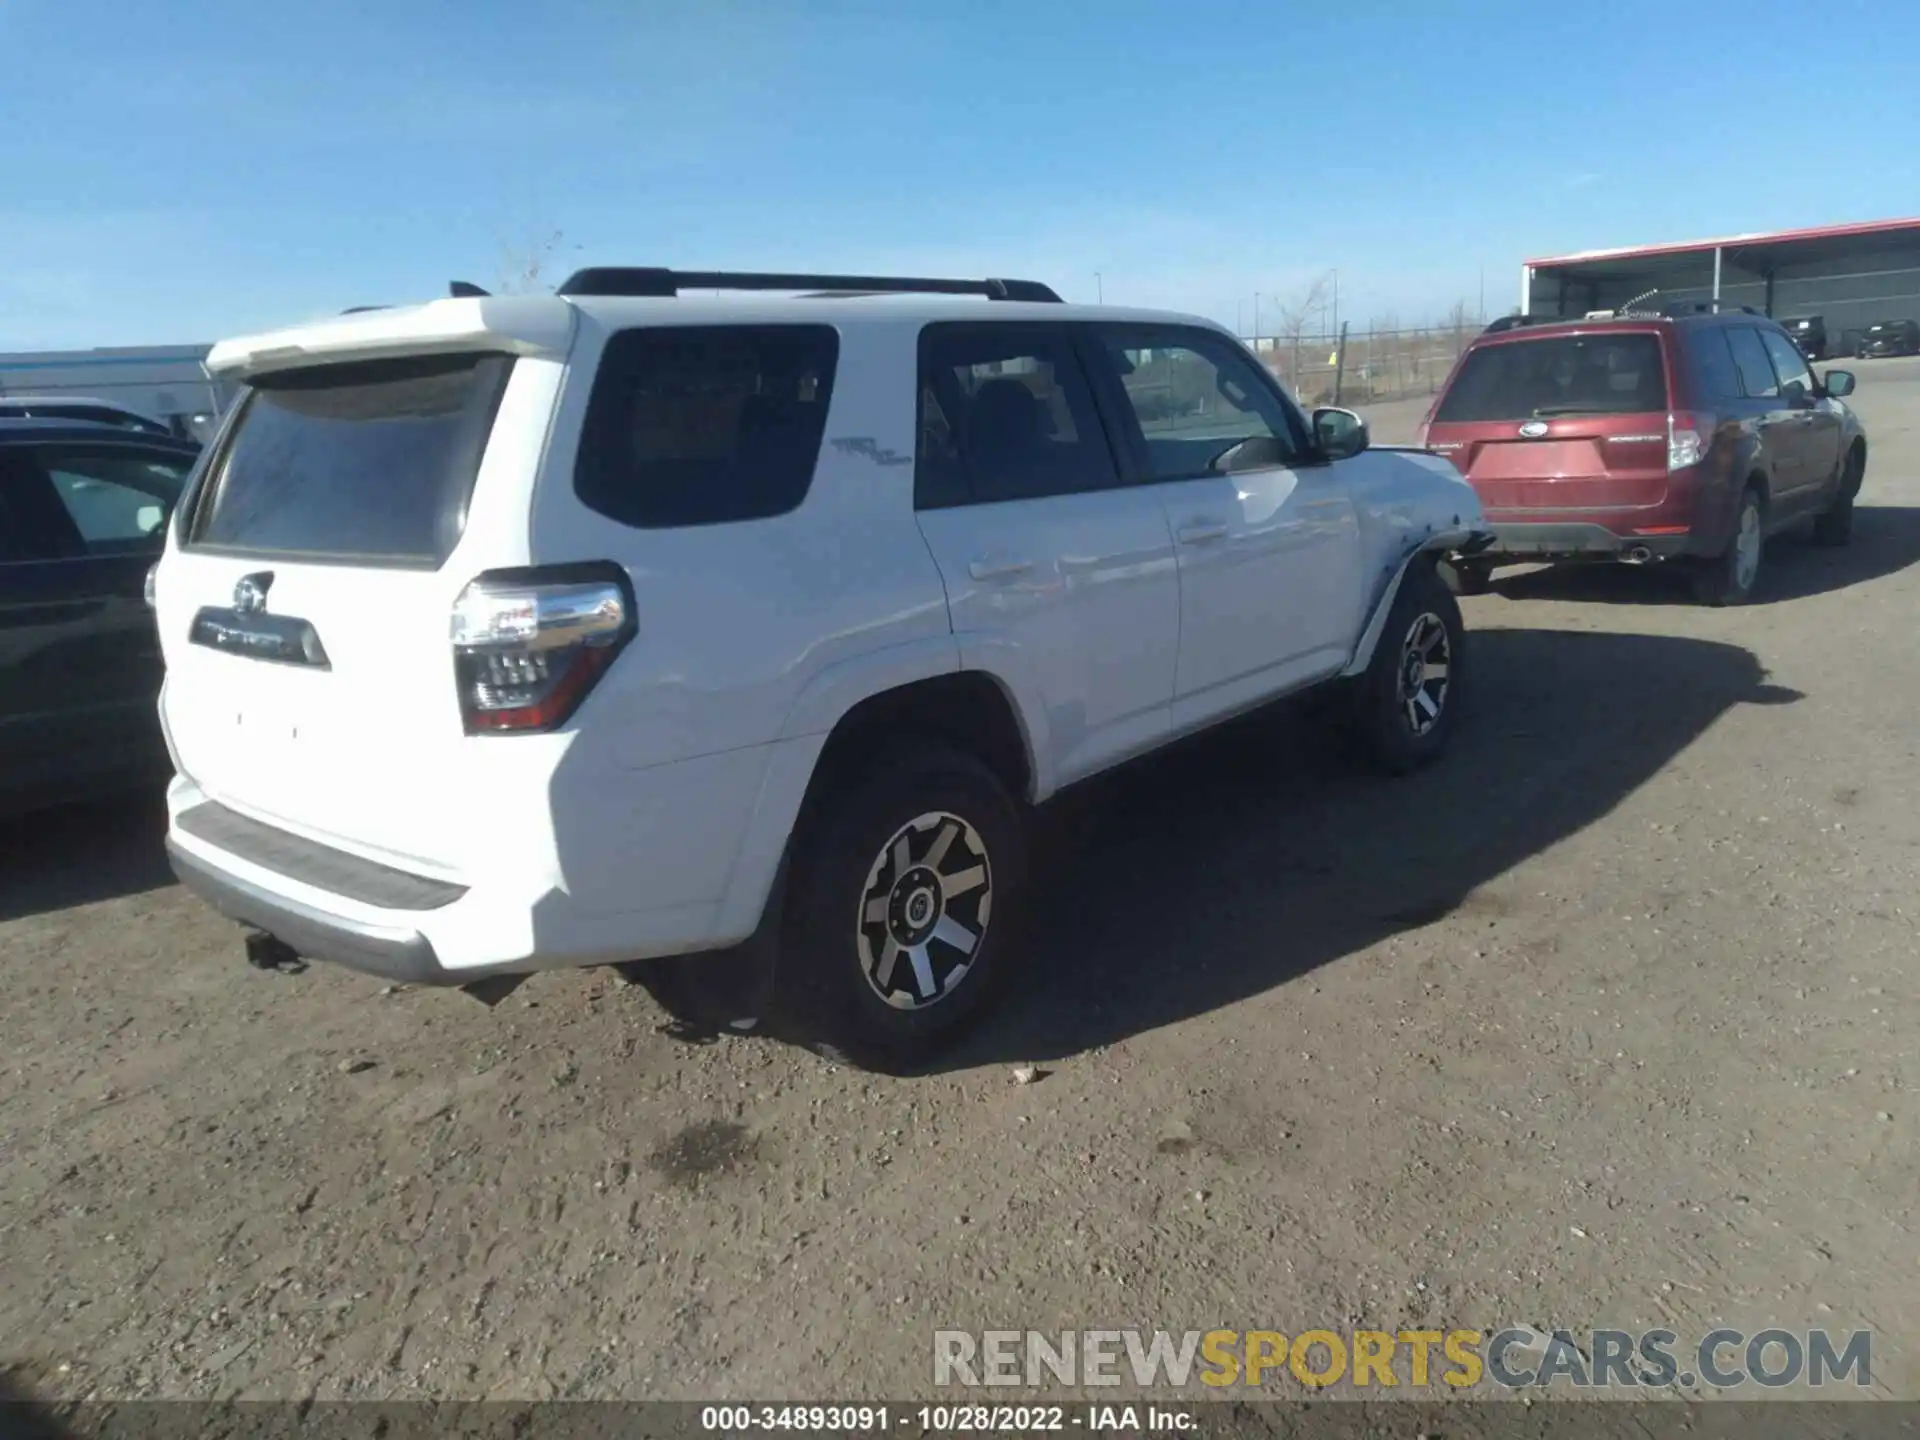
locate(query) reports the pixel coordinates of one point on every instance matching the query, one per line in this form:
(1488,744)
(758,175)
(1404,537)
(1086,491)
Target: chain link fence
(1375,365)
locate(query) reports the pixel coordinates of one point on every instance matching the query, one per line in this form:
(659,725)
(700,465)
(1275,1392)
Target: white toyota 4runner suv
(513,633)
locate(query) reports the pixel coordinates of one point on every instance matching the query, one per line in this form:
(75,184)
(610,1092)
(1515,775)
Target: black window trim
(1067,340)
(203,486)
(1307,451)
(121,445)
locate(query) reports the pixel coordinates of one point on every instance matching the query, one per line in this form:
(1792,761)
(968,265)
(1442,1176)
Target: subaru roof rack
(655,281)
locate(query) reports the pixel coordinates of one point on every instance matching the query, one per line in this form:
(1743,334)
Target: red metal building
(1851,274)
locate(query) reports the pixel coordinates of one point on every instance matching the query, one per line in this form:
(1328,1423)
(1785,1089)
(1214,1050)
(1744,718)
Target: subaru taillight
(1688,437)
(528,645)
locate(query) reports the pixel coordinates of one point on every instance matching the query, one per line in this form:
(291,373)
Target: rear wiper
(1546,410)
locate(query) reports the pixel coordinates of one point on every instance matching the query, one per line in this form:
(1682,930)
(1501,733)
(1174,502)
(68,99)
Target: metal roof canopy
(1763,255)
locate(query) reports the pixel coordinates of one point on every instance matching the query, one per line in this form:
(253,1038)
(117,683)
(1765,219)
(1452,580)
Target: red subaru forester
(1643,438)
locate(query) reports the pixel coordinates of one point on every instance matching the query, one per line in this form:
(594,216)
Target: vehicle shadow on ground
(1886,540)
(82,853)
(24,1416)
(1246,858)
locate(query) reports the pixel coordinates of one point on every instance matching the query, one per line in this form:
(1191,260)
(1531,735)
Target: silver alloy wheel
(1425,673)
(1746,546)
(925,910)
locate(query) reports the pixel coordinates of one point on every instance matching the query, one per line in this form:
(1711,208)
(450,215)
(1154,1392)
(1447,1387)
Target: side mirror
(149,518)
(1340,433)
(1837,383)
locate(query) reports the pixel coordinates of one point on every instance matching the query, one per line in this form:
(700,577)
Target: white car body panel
(655,821)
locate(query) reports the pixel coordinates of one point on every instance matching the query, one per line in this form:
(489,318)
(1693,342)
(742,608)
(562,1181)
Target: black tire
(1727,578)
(1466,577)
(1404,715)
(838,952)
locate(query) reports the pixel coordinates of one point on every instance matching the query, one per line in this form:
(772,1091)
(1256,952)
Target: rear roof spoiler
(656,282)
(531,325)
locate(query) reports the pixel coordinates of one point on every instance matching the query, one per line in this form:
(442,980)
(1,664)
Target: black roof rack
(1515,322)
(653,281)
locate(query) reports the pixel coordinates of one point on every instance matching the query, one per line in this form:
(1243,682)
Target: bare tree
(1460,319)
(1306,306)
(524,268)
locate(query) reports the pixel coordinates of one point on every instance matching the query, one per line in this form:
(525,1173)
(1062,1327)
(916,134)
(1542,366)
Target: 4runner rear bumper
(1555,540)
(393,954)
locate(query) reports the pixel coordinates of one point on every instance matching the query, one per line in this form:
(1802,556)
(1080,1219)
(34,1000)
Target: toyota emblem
(1533,429)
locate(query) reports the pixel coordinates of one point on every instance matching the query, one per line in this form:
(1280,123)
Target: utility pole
(1099,288)
(1256,319)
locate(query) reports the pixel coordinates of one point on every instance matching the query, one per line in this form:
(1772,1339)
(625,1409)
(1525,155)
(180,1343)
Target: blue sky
(185,171)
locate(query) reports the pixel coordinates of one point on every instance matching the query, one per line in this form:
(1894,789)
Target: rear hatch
(1558,422)
(306,596)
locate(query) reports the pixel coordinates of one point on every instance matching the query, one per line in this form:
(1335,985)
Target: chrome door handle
(998,569)
(1198,532)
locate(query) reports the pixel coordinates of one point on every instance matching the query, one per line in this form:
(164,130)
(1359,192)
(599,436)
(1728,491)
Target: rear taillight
(1688,438)
(528,645)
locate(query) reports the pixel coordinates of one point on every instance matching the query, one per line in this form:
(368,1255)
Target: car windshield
(1609,374)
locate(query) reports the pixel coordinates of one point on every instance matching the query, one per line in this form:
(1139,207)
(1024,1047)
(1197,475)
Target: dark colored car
(1889,337)
(83,514)
(1809,332)
(1649,438)
(92,412)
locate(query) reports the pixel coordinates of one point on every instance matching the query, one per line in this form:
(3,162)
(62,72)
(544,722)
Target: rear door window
(61,504)
(703,425)
(1713,363)
(1595,374)
(1756,371)
(371,462)
(118,503)
(1006,413)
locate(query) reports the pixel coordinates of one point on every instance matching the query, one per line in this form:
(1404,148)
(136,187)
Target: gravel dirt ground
(1599,1022)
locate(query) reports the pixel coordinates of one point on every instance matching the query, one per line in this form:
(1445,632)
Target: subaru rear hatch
(368,473)
(1559,421)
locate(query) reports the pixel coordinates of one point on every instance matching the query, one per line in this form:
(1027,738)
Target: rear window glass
(372,462)
(703,425)
(1557,375)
